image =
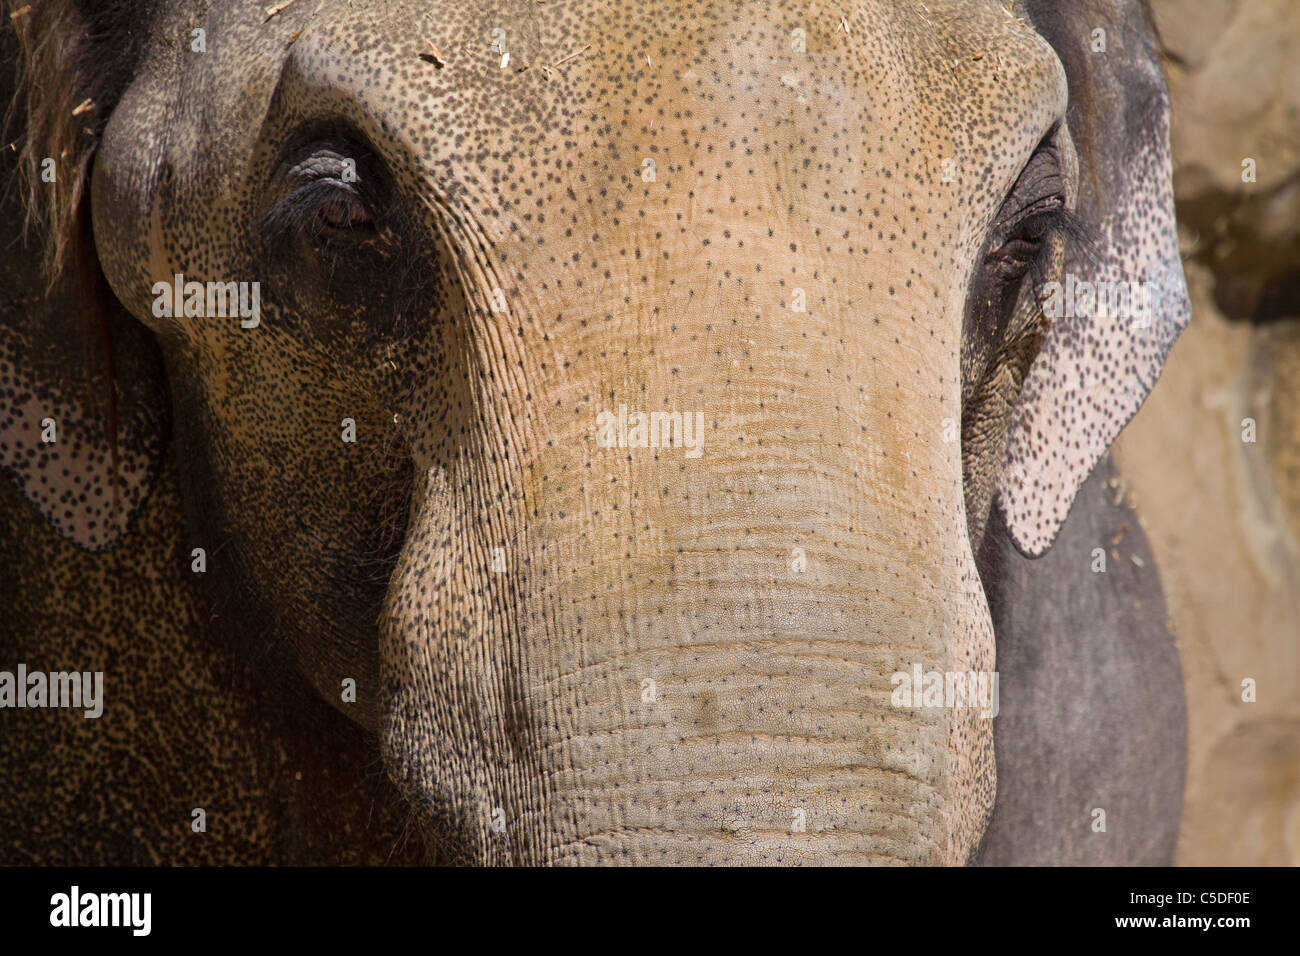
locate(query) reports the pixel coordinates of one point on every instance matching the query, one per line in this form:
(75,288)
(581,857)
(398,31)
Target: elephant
(1092,750)
(477,433)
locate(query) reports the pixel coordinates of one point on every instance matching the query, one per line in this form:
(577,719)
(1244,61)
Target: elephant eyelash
(323,209)
(1031,232)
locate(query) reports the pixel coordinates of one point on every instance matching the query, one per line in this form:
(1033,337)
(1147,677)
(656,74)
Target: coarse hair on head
(66,63)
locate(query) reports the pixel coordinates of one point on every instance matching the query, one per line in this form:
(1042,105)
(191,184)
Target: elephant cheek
(712,683)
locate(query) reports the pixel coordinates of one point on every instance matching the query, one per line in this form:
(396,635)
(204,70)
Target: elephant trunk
(634,653)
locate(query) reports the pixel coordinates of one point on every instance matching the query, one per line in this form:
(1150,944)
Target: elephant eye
(344,210)
(331,200)
(323,209)
(1021,249)
(1034,212)
(1026,235)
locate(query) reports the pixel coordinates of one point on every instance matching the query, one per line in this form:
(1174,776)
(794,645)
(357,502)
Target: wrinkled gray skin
(855,318)
(1098,718)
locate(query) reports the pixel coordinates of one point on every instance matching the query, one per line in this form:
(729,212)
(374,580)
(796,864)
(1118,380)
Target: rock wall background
(1222,512)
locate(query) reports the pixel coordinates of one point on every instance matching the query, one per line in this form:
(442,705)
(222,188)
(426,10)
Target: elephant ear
(1093,371)
(83,402)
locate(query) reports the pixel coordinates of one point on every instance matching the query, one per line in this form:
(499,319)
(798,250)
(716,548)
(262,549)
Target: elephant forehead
(494,92)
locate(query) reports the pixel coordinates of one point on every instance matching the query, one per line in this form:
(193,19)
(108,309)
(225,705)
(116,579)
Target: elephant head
(615,394)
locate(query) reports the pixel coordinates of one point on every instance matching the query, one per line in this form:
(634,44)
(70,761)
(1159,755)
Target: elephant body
(281,778)
(1099,722)
(621,398)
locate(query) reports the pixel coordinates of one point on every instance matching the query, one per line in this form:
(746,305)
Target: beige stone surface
(1231,573)
(1222,511)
